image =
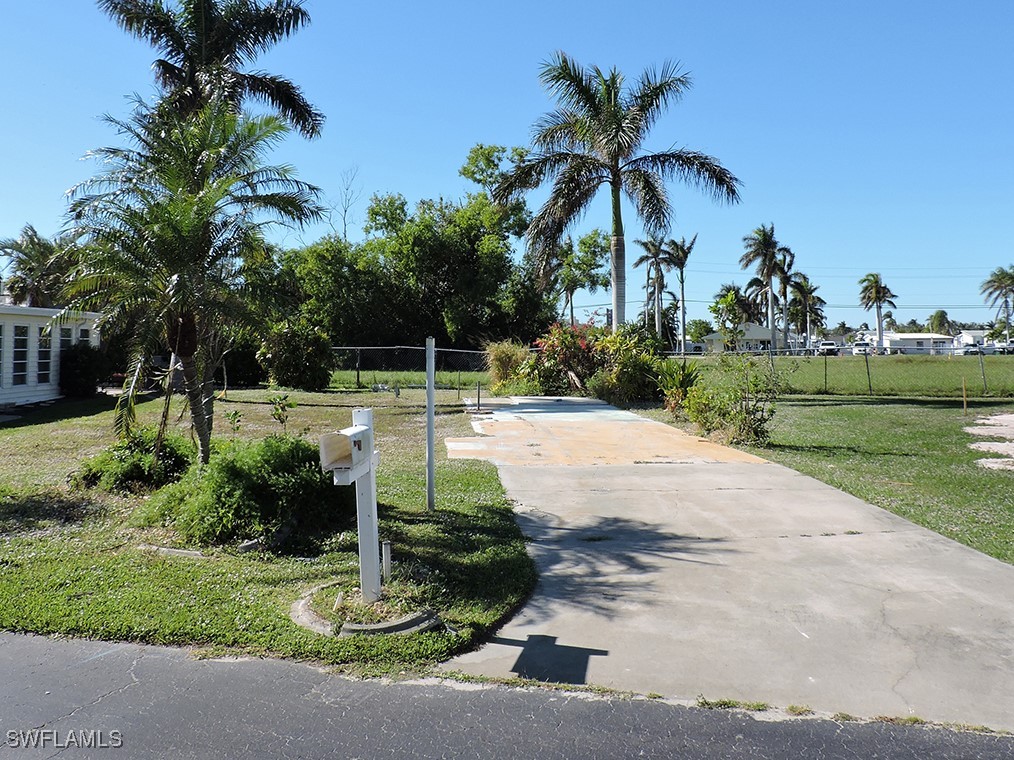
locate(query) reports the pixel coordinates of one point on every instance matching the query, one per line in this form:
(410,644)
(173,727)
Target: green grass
(464,381)
(904,375)
(70,561)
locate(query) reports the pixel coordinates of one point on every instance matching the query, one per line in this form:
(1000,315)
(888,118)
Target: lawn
(71,562)
(909,456)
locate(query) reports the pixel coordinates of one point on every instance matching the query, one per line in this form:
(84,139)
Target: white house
(917,343)
(753,338)
(30,351)
(967,338)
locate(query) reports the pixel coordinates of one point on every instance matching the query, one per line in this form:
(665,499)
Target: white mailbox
(350,456)
(347,453)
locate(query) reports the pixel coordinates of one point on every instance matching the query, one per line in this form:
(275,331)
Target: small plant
(740,407)
(503,360)
(130,465)
(233,419)
(675,379)
(844,717)
(280,406)
(731,704)
(798,710)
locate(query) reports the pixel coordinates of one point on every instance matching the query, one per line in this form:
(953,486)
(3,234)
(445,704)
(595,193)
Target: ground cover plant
(908,456)
(74,562)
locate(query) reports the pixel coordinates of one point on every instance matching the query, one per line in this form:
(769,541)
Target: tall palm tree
(786,259)
(806,305)
(763,251)
(653,257)
(999,289)
(171,221)
(940,322)
(680,251)
(205,44)
(873,293)
(37,267)
(596,138)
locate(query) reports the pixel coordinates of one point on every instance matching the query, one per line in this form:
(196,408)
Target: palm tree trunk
(618,260)
(771,314)
(807,302)
(683,317)
(647,295)
(194,388)
(785,318)
(658,308)
(880,327)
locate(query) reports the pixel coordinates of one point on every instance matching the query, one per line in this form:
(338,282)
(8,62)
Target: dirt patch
(998,426)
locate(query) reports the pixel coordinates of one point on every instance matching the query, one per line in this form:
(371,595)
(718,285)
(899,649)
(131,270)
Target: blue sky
(876,136)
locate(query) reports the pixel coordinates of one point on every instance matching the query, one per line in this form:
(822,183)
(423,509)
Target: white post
(366,518)
(431,363)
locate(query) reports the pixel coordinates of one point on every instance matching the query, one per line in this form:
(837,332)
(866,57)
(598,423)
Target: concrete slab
(724,575)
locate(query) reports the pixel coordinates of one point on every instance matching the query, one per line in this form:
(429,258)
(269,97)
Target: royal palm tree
(37,267)
(763,251)
(596,138)
(655,258)
(205,44)
(786,260)
(939,322)
(805,305)
(999,289)
(171,221)
(680,251)
(874,293)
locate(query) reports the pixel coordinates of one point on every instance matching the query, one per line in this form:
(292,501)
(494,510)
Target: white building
(753,337)
(917,343)
(30,351)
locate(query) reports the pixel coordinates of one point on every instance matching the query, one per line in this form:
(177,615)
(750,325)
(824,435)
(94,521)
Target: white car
(861,347)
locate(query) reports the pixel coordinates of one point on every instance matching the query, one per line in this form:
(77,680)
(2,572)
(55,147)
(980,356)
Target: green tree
(764,252)
(596,138)
(745,306)
(806,308)
(874,293)
(581,268)
(37,268)
(786,260)
(171,220)
(698,329)
(205,44)
(939,322)
(679,251)
(998,288)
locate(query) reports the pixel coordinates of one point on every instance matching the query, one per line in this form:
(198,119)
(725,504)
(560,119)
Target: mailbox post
(349,454)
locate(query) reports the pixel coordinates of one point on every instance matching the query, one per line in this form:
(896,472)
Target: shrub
(298,355)
(675,379)
(739,409)
(564,363)
(253,489)
(241,369)
(129,466)
(503,360)
(629,359)
(81,366)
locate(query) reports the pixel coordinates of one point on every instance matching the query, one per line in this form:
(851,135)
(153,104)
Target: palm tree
(745,306)
(806,305)
(205,44)
(786,259)
(680,251)
(171,221)
(939,322)
(653,256)
(38,267)
(596,138)
(764,251)
(999,289)
(874,293)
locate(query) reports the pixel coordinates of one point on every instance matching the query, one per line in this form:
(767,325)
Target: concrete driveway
(675,566)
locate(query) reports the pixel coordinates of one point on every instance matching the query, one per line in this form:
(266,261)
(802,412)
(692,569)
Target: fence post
(869,378)
(359,357)
(982,369)
(825,373)
(431,361)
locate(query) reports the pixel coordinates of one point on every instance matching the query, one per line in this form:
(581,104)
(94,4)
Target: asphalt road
(154,702)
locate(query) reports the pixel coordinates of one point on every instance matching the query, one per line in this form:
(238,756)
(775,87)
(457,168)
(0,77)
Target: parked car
(971,350)
(827,348)
(861,347)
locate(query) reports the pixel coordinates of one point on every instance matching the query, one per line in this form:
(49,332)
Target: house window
(66,337)
(45,354)
(84,335)
(20,354)
(920,344)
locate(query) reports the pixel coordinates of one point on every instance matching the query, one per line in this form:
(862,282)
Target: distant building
(753,338)
(30,351)
(967,338)
(918,343)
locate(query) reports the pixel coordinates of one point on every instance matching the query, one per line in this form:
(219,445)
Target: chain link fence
(388,367)
(945,375)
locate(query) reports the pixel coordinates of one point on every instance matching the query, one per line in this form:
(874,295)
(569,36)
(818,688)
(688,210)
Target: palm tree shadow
(595,566)
(38,511)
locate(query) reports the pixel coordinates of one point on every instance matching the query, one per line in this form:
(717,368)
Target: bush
(564,363)
(254,489)
(129,466)
(503,360)
(298,355)
(241,369)
(675,379)
(81,366)
(629,360)
(740,409)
